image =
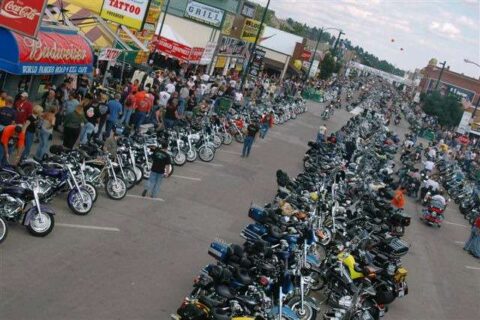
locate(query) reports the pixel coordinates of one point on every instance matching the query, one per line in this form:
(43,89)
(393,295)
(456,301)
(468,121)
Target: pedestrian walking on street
(114,109)
(472,245)
(322,130)
(267,123)
(161,168)
(252,130)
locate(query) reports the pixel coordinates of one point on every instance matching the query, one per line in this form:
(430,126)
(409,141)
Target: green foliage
(446,108)
(327,67)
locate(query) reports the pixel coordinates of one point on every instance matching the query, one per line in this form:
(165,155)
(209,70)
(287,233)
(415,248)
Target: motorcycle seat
(242,276)
(224,291)
(210,302)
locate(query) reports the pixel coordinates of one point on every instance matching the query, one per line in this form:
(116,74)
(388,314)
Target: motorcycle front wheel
(206,154)
(3,229)
(116,189)
(146,170)
(192,155)
(227,139)
(76,204)
(217,141)
(130,177)
(138,173)
(239,137)
(41,225)
(179,158)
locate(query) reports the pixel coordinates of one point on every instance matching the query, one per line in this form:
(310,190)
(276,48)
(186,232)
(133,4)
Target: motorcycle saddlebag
(192,311)
(396,247)
(257,214)
(218,250)
(400,218)
(57,149)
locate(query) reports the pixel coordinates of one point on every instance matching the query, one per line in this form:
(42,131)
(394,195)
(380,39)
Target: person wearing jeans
(161,168)
(87,131)
(30,127)
(252,130)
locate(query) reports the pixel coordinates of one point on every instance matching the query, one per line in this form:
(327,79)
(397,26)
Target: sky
(448,30)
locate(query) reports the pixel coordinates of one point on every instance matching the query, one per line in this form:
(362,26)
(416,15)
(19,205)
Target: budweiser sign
(22,16)
(40,51)
(13,10)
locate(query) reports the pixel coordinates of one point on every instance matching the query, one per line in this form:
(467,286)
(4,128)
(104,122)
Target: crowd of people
(83,110)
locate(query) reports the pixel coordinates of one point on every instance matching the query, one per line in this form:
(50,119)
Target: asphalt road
(136,258)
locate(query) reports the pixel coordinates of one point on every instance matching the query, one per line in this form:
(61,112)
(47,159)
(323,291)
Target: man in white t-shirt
(432,153)
(170,88)
(205,77)
(164,96)
(429,165)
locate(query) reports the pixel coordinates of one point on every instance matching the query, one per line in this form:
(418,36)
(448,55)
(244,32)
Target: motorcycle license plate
(381,313)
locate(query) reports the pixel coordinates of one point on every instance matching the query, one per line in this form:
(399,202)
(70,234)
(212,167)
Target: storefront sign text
(203,13)
(130,13)
(22,16)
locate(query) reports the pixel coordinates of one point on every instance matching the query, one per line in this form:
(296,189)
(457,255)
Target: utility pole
(336,41)
(440,75)
(163,19)
(250,59)
(314,54)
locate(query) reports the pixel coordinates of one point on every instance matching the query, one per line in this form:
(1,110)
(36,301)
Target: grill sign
(203,13)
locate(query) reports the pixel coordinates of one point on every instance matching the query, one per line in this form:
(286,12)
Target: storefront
(29,64)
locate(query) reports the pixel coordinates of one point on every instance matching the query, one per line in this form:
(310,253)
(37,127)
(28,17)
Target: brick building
(450,83)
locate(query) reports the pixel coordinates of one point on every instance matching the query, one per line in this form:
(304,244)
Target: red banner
(174,49)
(54,49)
(22,16)
(196,54)
(306,55)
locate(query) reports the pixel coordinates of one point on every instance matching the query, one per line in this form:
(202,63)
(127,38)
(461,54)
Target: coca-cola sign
(22,16)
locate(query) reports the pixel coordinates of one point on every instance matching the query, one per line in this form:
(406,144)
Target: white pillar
(285,68)
(227,64)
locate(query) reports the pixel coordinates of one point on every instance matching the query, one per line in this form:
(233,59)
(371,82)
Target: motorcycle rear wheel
(308,312)
(3,229)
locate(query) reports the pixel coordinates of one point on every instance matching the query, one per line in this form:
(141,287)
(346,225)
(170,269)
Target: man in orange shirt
(143,105)
(12,136)
(398,200)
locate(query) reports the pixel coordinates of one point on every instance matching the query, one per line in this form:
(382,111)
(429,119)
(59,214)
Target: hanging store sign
(257,62)
(233,47)
(196,55)
(248,10)
(203,13)
(250,30)
(130,13)
(173,49)
(208,53)
(22,16)
(109,54)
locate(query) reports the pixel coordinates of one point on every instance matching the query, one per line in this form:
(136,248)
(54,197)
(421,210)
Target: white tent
(167,32)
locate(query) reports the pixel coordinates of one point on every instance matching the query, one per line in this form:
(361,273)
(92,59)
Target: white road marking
(472,268)
(81,226)
(145,198)
(459,242)
(209,164)
(230,152)
(456,224)
(186,178)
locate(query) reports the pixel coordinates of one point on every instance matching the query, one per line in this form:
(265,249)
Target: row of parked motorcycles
(25,190)
(328,245)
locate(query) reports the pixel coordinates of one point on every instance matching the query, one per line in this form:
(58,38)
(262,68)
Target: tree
(447,109)
(327,67)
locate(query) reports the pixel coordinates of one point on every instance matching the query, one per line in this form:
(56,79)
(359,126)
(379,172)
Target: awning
(54,52)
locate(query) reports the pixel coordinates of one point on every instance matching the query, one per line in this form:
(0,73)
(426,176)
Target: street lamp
(471,62)
(316,46)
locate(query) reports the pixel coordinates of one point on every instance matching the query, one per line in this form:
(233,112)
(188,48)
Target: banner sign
(203,13)
(54,53)
(228,24)
(250,30)
(464,125)
(257,62)
(174,49)
(208,53)
(233,47)
(306,55)
(109,54)
(130,13)
(22,16)
(196,55)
